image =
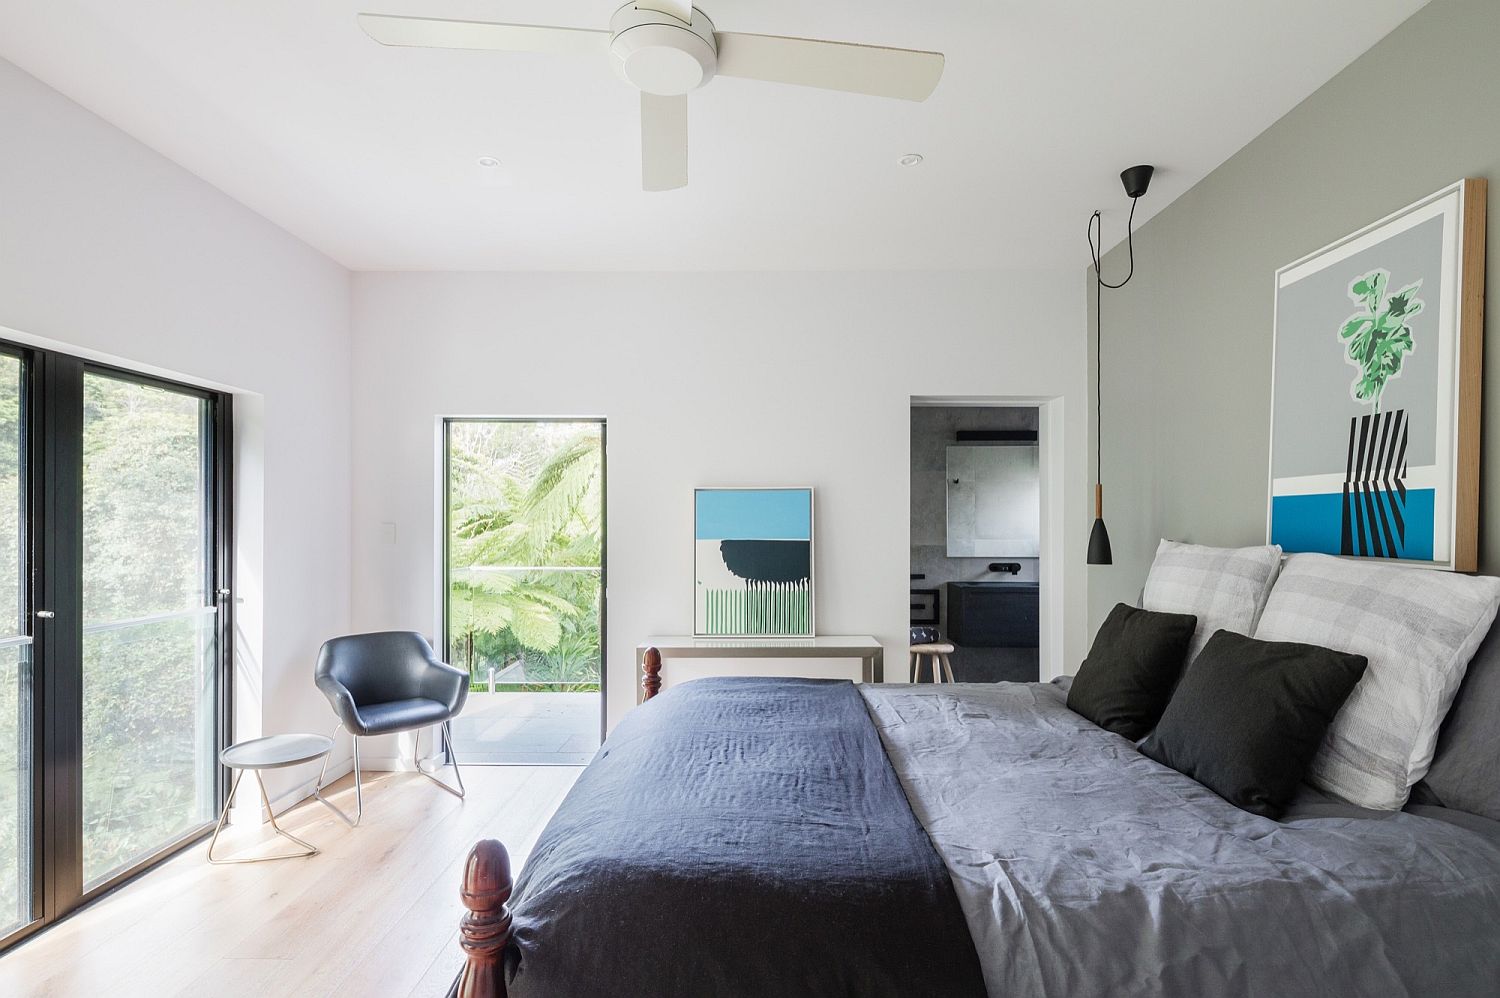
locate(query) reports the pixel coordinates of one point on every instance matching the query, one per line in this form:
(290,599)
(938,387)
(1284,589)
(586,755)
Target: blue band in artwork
(1315,522)
(754,514)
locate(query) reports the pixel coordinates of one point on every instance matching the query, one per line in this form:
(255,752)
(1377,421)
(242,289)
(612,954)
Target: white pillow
(1417,628)
(1225,588)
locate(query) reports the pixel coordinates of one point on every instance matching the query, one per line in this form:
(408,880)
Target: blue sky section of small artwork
(754,514)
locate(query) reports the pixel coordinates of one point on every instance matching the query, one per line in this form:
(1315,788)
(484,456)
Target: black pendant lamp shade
(1099,553)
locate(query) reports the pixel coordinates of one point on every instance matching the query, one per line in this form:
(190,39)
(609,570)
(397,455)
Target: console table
(833,656)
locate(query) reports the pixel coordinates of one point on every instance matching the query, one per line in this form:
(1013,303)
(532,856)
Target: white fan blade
(680,9)
(664,142)
(858,69)
(436,33)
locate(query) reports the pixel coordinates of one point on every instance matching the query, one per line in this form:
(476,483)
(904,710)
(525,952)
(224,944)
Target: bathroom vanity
(994,614)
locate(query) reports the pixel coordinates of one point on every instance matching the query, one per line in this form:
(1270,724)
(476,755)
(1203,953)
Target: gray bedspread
(1084,868)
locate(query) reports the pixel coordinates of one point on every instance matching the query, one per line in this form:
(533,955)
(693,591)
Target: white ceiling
(368,153)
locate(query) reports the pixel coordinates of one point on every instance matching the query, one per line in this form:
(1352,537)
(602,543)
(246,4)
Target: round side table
(258,754)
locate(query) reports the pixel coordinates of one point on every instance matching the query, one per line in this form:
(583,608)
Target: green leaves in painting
(1378,338)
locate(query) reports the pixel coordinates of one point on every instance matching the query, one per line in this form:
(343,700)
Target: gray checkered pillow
(1417,628)
(1225,588)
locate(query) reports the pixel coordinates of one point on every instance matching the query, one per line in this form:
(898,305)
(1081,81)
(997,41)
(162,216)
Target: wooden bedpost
(650,674)
(485,930)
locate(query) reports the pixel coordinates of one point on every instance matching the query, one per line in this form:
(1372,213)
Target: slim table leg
(310,849)
(234,788)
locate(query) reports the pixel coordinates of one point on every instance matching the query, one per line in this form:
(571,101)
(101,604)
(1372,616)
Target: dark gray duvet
(739,837)
(1086,869)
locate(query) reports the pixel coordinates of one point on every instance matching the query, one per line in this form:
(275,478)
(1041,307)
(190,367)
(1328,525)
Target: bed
(745,837)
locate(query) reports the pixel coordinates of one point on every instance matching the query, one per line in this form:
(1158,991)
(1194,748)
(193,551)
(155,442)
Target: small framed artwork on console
(1375,389)
(753,562)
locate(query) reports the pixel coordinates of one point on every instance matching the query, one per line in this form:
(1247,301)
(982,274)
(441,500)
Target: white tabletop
(842,644)
(276,751)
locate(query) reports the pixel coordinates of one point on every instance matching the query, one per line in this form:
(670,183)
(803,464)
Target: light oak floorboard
(376,913)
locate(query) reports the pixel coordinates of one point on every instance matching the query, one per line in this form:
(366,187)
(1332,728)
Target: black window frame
(52,544)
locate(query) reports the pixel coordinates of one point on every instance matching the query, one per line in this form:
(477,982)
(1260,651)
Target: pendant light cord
(1096,224)
(1096,249)
(1098,359)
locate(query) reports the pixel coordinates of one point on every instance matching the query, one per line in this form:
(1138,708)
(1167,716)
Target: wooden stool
(936,652)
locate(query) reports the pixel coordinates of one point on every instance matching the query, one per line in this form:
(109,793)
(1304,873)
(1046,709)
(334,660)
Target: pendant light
(1136,180)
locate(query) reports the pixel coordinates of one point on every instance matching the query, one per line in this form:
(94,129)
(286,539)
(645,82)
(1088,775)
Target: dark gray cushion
(1249,715)
(1137,658)
(1465,772)
(400,715)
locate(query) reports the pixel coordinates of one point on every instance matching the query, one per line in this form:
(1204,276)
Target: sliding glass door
(149,620)
(114,626)
(17,703)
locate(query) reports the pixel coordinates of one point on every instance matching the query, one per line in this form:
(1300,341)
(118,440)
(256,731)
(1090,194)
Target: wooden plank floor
(376,913)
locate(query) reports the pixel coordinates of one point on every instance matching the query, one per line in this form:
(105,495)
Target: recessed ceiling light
(910,159)
(488,162)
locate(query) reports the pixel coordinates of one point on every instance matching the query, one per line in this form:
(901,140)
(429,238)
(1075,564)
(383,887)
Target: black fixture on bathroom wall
(1136,180)
(997,436)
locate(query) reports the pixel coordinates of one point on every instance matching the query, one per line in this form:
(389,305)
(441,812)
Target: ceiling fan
(668,48)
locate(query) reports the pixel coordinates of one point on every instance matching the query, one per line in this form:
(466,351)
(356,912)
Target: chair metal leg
(359,797)
(416,758)
(308,848)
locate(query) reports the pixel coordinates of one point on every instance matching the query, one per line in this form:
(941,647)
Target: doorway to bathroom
(977,536)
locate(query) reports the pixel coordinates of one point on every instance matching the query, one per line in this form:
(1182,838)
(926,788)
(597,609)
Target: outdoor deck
(527,729)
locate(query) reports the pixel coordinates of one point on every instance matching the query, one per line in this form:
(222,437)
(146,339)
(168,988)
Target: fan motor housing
(658,54)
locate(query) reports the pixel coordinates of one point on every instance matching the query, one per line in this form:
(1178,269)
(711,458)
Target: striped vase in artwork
(1375,477)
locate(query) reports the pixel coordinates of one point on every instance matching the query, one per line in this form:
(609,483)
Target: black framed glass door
(524,594)
(17,694)
(115,554)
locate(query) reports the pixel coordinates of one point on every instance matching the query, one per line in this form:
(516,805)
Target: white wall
(725,379)
(108,249)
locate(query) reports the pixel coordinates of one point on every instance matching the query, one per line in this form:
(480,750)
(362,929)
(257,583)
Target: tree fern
(523,498)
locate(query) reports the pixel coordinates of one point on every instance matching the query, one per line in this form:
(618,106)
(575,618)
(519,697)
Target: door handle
(45,614)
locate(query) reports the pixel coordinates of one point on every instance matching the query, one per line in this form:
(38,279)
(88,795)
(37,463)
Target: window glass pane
(148,622)
(15,666)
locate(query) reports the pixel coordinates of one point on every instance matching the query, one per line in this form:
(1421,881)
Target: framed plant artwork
(1375,389)
(753,562)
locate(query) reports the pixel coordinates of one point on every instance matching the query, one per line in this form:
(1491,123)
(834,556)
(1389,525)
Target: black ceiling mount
(1136,180)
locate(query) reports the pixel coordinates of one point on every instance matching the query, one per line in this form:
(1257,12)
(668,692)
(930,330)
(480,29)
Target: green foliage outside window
(525,552)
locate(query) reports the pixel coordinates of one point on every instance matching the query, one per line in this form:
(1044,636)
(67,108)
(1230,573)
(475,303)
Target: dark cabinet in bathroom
(994,614)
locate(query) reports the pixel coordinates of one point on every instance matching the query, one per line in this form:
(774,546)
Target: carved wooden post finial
(651,674)
(485,930)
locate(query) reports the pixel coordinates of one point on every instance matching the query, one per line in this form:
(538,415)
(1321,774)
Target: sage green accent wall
(1187,345)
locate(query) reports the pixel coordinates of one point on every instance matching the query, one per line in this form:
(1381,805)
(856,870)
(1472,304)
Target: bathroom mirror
(994,501)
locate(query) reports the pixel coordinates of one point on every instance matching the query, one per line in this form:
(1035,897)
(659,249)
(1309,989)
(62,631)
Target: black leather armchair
(388,682)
